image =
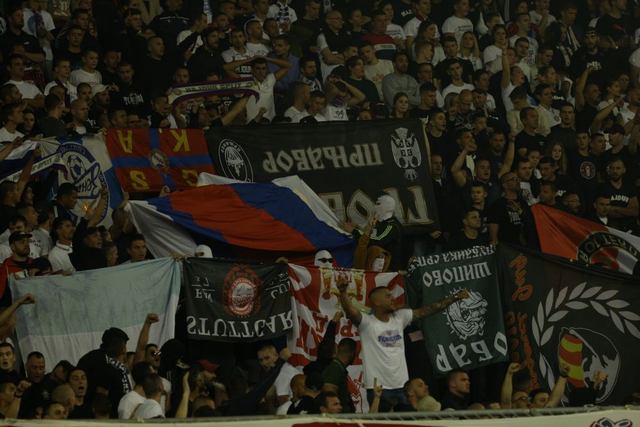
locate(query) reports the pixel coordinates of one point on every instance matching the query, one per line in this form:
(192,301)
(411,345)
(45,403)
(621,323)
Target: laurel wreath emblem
(556,307)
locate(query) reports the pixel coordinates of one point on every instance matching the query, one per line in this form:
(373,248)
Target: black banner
(469,333)
(347,163)
(583,319)
(228,301)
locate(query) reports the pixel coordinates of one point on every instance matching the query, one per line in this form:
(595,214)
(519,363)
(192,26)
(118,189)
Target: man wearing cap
(18,261)
(588,55)
(105,369)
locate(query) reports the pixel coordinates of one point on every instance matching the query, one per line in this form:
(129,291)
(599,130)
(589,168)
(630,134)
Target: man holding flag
(381,335)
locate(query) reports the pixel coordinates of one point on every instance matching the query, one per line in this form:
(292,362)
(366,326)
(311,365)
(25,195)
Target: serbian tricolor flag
(148,159)
(569,236)
(249,220)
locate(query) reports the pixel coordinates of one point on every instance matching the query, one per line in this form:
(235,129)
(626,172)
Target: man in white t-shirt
(29,91)
(265,82)
(458,23)
(12,116)
(235,58)
(136,397)
(381,337)
(301,94)
(151,408)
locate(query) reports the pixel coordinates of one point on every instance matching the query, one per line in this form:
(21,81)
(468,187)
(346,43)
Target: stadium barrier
(565,417)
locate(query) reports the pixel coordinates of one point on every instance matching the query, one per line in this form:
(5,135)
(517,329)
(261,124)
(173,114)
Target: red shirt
(10,266)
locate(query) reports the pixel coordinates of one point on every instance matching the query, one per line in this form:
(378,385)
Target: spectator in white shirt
(317,105)
(375,69)
(458,23)
(255,39)
(422,9)
(284,15)
(61,76)
(235,58)
(265,82)
(29,91)
(153,390)
(135,397)
(11,116)
(457,84)
(301,94)
(62,235)
(88,73)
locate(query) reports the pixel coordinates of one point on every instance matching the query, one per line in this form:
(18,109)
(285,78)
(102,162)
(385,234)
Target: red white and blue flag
(146,160)
(250,220)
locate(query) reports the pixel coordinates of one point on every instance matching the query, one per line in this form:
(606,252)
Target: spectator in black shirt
(458,388)
(565,132)
(129,95)
(509,216)
(104,367)
(72,49)
(624,200)
(207,58)
(601,209)
(155,70)
(170,23)
(14,36)
(528,138)
(428,102)
(548,171)
(52,124)
(469,236)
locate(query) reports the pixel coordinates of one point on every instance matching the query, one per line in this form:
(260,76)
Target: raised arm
(428,310)
(356,94)
(25,176)
(508,158)
(94,217)
(581,83)
(6,314)
(558,388)
(506,70)
(457,172)
(236,109)
(143,338)
(350,311)
(506,392)
(283,67)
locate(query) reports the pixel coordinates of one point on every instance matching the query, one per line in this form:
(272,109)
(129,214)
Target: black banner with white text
(347,163)
(228,301)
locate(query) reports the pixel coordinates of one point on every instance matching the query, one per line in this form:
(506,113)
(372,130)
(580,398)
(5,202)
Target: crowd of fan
(523,103)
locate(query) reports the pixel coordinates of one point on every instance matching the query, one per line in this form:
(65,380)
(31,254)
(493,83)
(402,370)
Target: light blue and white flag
(88,166)
(83,161)
(72,312)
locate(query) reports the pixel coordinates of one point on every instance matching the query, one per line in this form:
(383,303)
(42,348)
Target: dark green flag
(469,333)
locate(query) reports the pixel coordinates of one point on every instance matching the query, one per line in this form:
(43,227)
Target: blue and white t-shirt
(383,349)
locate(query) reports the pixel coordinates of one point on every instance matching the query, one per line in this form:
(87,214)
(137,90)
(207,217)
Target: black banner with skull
(469,333)
(349,164)
(236,302)
(561,317)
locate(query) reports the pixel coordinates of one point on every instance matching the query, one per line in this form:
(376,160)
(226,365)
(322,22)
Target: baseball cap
(98,88)
(18,235)
(207,365)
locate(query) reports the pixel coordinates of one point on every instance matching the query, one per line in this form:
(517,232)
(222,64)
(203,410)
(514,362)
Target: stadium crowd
(523,102)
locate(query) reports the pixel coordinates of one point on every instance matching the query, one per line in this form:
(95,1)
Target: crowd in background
(523,102)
